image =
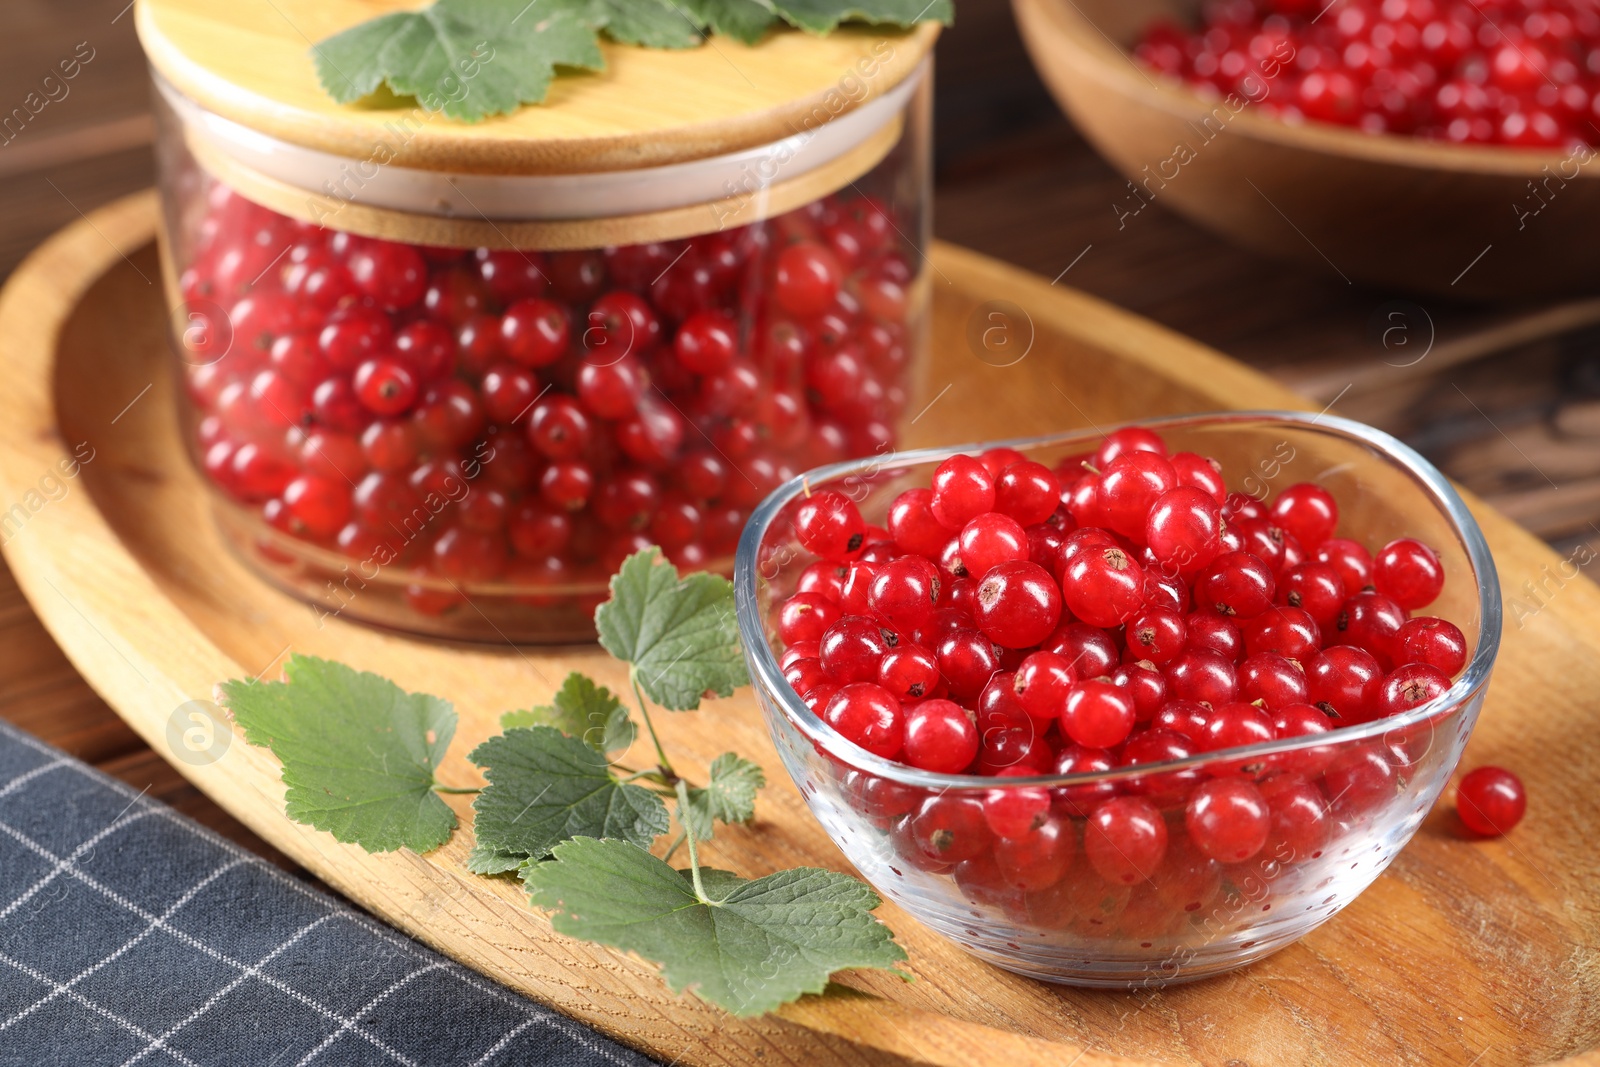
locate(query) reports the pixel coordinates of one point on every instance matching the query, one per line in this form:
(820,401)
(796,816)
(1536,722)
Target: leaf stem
(677,842)
(661,753)
(688,835)
(453,789)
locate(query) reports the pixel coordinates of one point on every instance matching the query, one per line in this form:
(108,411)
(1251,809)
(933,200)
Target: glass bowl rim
(767,674)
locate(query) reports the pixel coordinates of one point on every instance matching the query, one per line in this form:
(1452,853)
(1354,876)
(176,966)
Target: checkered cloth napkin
(129,935)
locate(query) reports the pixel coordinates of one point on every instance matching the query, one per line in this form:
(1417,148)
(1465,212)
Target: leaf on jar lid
(821,16)
(470,59)
(466,58)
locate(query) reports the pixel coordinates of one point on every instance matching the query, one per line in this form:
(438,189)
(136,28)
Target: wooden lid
(250,61)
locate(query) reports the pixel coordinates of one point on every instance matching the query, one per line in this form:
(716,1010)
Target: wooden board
(1464,951)
(251,61)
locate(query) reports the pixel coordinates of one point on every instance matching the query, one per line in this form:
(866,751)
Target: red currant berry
(1090,650)
(1026,491)
(852,649)
(951,828)
(1125,840)
(1300,822)
(829,525)
(707,342)
(905,591)
(1218,633)
(393,275)
(1228,820)
(558,428)
(1344,682)
(1410,686)
(967,660)
(940,736)
(1436,642)
(806,279)
(1203,675)
(1316,589)
(1145,684)
(1371,621)
(1237,584)
(1097,715)
(1041,684)
(1289,632)
(1350,559)
(1307,511)
(1182,529)
(318,506)
(1079,800)
(1130,487)
(1038,859)
(910,672)
(1182,717)
(1410,572)
(385,386)
(611,390)
(535,332)
(913,526)
(1156,635)
(868,716)
(990,540)
(806,617)
(1127,439)
(963,489)
(1272,679)
(1200,472)
(1018,604)
(1490,801)
(1103,586)
(508,393)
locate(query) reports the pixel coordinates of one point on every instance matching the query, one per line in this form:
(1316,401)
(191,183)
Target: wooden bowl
(1460,221)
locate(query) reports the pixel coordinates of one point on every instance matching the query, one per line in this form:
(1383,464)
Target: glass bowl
(1345,802)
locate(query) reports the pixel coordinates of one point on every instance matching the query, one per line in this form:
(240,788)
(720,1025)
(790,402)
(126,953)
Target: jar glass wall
(459,425)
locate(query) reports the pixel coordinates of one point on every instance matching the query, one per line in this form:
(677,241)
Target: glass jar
(450,398)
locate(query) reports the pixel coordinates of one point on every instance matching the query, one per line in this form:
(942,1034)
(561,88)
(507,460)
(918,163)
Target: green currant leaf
(583,710)
(747,946)
(821,16)
(467,58)
(729,795)
(545,787)
(680,636)
(651,23)
(483,860)
(358,752)
(743,20)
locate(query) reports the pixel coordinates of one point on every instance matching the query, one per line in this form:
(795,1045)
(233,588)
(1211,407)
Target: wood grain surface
(1465,951)
(1504,396)
(251,61)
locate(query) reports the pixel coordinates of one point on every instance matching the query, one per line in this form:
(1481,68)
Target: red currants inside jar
(498,428)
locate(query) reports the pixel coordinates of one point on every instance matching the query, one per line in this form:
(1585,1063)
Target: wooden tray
(1464,952)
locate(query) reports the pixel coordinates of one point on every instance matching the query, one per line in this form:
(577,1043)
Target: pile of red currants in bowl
(468,416)
(1120,609)
(1510,72)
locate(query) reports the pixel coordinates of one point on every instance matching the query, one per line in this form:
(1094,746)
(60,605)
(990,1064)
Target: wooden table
(1012,180)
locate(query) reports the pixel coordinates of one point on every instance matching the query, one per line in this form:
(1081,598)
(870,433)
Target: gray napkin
(130,935)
